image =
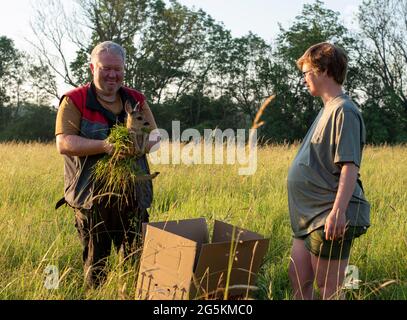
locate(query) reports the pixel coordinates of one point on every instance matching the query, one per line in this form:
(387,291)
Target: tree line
(193,70)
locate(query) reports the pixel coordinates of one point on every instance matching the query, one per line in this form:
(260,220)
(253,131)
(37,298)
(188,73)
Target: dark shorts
(316,243)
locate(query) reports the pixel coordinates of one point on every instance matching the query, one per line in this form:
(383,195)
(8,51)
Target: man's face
(108,72)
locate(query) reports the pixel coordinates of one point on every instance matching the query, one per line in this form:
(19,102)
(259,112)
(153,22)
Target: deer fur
(139,130)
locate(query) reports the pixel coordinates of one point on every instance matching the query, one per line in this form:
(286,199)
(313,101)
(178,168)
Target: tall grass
(34,235)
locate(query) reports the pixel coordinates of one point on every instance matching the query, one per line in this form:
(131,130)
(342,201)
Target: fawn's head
(135,118)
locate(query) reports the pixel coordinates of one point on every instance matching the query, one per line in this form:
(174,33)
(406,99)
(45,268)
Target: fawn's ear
(128,107)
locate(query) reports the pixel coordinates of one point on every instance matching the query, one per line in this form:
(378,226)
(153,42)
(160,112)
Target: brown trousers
(99,227)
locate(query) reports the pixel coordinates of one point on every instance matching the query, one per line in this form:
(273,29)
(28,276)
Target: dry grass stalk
(256,122)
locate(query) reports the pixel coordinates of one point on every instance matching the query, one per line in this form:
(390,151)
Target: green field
(34,235)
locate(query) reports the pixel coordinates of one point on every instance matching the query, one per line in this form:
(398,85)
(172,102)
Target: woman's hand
(335,225)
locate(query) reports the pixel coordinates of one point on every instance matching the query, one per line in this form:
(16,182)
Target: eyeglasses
(305,73)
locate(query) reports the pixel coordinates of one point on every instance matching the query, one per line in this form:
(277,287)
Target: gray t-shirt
(337,136)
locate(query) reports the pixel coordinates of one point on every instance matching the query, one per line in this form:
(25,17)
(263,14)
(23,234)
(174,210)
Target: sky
(262,16)
(240,16)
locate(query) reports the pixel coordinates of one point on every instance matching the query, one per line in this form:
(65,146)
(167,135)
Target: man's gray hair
(108,46)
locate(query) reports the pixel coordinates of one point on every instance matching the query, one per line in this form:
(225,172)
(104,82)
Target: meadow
(34,235)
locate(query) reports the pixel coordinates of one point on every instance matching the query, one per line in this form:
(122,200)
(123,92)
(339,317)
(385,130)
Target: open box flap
(222,232)
(212,269)
(192,229)
(166,266)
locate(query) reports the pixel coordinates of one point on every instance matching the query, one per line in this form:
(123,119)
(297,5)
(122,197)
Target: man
(85,117)
(327,205)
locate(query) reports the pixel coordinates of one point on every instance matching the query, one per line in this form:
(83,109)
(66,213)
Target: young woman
(327,205)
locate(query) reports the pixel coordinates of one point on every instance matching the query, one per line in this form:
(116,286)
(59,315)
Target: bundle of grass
(117,174)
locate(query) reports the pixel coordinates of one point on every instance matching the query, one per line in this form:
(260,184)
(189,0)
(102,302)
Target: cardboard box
(179,263)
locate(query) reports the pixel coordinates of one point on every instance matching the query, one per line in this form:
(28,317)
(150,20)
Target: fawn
(138,127)
(139,130)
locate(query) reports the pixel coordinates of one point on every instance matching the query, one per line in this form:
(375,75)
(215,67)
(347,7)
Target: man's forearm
(73,145)
(347,182)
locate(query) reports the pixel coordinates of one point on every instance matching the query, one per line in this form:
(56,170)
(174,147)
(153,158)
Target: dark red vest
(96,123)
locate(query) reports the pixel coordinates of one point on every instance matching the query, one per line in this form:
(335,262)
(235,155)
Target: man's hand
(109,148)
(119,154)
(335,225)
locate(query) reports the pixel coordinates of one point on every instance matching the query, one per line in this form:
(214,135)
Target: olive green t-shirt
(337,136)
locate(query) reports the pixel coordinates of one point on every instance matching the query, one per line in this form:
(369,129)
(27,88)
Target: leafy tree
(248,59)
(42,82)
(294,109)
(193,70)
(383,61)
(32,123)
(161,42)
(21,80)
(9,62)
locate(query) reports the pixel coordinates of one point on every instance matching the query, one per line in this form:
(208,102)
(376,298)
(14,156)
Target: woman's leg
(301,272)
